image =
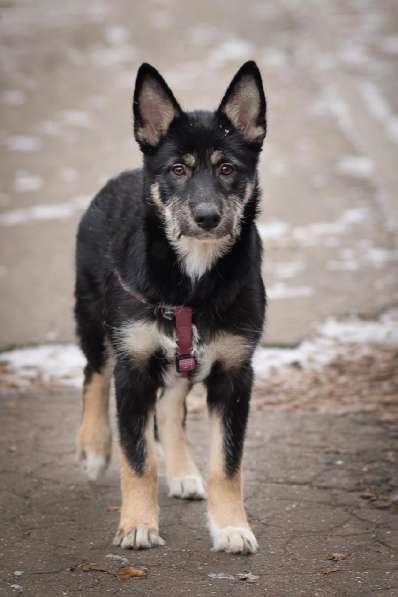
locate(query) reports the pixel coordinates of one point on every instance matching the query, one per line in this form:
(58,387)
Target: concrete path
(329,167)
(314,487)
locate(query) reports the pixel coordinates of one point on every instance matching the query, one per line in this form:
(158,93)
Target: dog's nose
(207,216)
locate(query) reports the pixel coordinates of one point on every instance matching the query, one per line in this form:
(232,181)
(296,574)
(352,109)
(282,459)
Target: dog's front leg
(139,515)
(228,401)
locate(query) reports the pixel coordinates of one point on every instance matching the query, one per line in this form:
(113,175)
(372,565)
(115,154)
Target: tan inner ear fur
(243,108)
(157,112)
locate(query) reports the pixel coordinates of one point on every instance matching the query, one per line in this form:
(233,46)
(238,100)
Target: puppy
(169,294)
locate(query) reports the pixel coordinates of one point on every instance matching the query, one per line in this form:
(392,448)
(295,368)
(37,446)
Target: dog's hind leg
(183,477)
(94,442)
(228,399)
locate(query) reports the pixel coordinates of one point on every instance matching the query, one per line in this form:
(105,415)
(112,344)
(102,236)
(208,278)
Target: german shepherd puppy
(169,294)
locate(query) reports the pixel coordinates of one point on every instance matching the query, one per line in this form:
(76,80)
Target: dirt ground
(321,490)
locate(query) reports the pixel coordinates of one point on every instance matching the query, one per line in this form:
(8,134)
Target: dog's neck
(196,257)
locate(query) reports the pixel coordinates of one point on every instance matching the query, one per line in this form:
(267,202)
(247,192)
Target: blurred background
(329,168)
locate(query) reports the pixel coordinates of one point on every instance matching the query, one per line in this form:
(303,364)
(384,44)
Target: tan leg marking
(139,515)
(229,528)
(94,441)
(183,477)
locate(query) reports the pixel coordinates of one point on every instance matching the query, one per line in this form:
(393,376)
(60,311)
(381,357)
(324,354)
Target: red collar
(185,359)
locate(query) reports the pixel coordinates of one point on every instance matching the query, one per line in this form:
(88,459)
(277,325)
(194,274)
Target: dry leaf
(122,574)
(337,557)
(389,456)
(330,569)
(128,572)
(112,508)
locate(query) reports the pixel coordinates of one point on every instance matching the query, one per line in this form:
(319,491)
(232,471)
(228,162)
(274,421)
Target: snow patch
(44,212)
(13,97)
(272,230)
(64,364)
(356,166)
(22,143)
(26,183)
(314,234)
(379,108)
(231,50)
(280,291)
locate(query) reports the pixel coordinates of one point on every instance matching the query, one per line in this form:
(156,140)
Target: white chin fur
(198,256)
(233,539)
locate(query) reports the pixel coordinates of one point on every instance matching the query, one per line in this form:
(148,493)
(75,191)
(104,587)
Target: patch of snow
(356,166)
(116,34)
(378,256)
(288,269)
(274,58)
(13,97)
(64,363)
(379,108)
(385,330)
(313,234)
(22,143)
(349,265)
(44,212)
(26,183)
(115,55)
(334,338)
(76,118)
(272,230)
(55,363)
(389,44)
(230,51)
(280,291)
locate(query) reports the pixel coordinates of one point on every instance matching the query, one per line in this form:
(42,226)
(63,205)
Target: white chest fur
(141,339)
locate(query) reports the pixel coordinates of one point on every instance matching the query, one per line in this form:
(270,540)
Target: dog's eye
(178,169)
(226,169)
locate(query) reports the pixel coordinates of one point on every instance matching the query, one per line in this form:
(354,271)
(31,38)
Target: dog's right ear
(154,107)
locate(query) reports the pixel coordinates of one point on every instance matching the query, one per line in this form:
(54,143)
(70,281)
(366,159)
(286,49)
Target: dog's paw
(94,452)
(138,537)
(94,465)
(234,540)
(187,488)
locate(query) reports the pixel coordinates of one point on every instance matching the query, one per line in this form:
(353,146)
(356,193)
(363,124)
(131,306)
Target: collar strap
(185,359)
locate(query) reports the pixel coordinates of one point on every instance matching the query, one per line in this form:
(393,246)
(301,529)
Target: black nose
(206,216)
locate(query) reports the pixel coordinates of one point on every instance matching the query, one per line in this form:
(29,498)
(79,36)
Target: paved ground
(321,461)
(317,485)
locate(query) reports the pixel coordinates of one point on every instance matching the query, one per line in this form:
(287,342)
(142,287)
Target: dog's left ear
(244,103)
(154,107)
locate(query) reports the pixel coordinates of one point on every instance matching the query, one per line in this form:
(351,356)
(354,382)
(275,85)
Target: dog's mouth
(206,236)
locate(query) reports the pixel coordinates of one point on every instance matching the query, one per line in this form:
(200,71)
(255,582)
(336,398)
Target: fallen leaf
(128,572)
(337,557)
(330,570)
(248,577)
(389,456)
(112,508)
(121,574)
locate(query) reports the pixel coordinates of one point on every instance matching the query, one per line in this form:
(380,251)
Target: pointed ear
(244,103)
(154,107)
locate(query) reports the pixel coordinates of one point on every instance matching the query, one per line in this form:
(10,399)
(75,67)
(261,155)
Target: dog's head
(200,167)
